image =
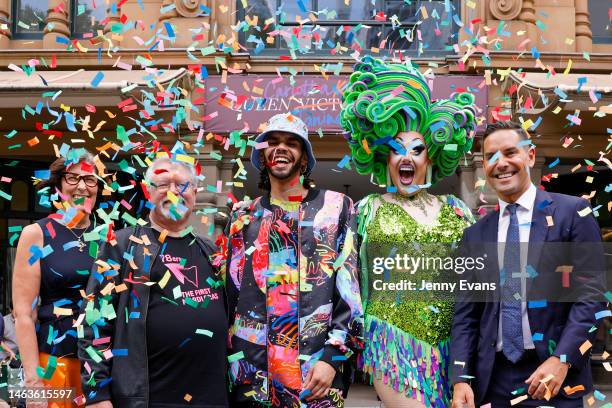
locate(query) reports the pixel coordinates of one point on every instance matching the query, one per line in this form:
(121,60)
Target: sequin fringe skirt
(406,364)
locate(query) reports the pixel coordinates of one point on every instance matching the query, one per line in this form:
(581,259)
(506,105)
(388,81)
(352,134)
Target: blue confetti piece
(339,358)
(531,271)
(70,245)
(537,304)
(598,395)
(342,163)
(119,352)
(602,314)
(42,174)
(169,29)
(494,158)
(97,79)
(554,163)
(399,149)
(301,5)
(305,393)
(62,40)
(436,126)
(537,337)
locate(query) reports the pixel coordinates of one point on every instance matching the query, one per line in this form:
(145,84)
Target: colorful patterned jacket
(329,304)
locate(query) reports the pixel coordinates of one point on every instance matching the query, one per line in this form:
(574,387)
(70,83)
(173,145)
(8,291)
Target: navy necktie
(512,328)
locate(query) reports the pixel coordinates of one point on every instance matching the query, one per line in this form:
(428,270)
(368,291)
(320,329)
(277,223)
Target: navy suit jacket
(564,326)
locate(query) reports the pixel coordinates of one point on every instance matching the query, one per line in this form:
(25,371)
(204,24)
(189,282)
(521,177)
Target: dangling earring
(428,175)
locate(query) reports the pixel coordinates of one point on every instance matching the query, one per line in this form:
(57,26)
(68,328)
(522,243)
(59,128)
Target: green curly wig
(383,99)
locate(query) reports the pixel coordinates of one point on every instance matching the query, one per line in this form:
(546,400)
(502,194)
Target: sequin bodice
(428,321)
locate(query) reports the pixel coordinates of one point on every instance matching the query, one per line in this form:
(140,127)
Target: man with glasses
(155,321)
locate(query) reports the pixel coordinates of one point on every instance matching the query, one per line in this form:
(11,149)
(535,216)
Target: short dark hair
(57,170)
(505,125)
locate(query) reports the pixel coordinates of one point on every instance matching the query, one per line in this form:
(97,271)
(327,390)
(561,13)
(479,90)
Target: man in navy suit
(508,348)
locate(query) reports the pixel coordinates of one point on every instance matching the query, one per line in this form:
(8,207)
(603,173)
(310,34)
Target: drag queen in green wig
(406,143)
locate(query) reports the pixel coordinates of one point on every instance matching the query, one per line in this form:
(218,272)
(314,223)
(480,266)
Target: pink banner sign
(245,102)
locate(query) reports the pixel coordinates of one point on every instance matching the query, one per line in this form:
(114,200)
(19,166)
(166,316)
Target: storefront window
(29,18)
(374,26)
(86,17)
(601,17)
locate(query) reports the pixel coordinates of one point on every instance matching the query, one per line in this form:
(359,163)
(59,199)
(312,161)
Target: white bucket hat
(288,123)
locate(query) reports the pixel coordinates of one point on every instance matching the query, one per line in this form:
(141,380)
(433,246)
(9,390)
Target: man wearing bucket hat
(290,262)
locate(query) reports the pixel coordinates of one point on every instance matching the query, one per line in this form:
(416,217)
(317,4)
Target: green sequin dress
(407,339)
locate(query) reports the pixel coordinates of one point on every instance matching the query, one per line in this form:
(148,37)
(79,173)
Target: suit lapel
(539,229)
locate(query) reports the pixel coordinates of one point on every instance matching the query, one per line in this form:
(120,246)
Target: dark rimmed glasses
(73,179)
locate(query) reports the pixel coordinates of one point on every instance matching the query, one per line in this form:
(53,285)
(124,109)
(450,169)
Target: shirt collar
(525,201)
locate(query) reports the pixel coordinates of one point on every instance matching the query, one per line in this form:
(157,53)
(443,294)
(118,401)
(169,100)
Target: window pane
(600,21)
(30,16)
(356,10)
(350,37)
(291,9)
(87,16)
(405,12)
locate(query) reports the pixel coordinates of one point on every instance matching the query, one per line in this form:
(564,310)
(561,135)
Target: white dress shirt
(524,214)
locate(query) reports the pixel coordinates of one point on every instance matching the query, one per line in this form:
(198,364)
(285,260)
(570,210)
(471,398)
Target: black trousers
(508,377)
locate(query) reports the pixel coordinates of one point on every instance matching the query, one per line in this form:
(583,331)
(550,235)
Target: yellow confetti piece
(172,197)
(589,179)
(605,355)
(590,401)
(585,211)
(62,311)
(471,4)
(424,12)
(569,66)
(527,124)
(164,280)
(557,110)
(585,347)
(518,400)
(185,159)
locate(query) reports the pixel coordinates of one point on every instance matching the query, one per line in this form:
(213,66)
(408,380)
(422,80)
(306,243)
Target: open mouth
(406,174)
(280,161)
(506,175)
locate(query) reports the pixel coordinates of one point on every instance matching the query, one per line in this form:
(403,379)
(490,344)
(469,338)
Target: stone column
(58,24)
(186,15)
(5,18)
(584,35)
(528,16)
(214,170)
(538,170)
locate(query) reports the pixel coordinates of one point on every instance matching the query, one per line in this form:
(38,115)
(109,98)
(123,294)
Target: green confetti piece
(204,332)
(176,292)
(191,303)
(94,354)
(169,300)
(235,357)
(47,372)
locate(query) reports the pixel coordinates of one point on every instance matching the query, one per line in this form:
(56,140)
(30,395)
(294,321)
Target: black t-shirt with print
(186,329)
